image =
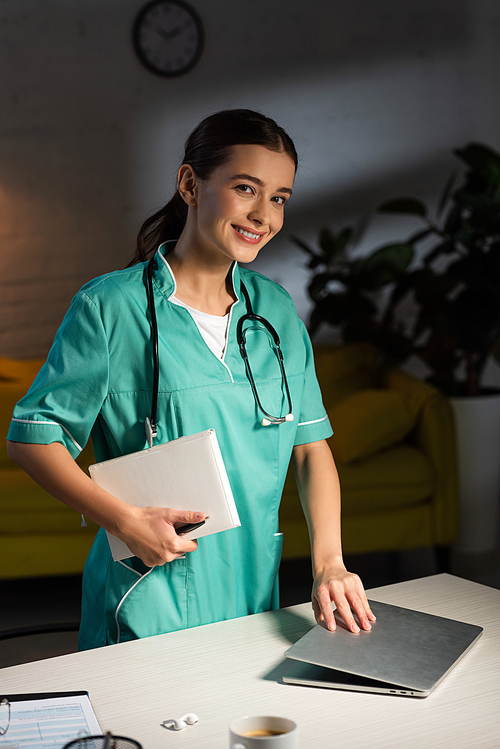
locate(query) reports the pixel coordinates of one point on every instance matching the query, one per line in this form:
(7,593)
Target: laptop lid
(406,652)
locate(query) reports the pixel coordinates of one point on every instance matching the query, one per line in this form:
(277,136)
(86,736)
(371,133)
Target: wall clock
(168,37)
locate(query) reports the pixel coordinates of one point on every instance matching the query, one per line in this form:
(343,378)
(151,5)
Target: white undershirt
(213,328)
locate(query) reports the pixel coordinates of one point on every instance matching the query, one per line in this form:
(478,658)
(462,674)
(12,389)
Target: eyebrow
(259,182)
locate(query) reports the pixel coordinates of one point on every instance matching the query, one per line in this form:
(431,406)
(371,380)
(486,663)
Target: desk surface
(225,670)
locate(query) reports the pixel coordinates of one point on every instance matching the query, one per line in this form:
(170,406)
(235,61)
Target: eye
(280,200)
(246,189)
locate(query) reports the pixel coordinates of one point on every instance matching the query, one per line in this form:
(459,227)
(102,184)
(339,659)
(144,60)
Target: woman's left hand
(346,591)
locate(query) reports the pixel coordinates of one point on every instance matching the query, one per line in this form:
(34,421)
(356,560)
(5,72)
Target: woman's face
(241,207)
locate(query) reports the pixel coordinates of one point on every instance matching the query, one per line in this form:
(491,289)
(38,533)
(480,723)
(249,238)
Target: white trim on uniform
(315,421)
(131,569)
(51,423)
(170,271)
(118,633)
(182,304)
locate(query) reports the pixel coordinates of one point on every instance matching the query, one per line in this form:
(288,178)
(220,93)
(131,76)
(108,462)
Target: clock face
(168,37)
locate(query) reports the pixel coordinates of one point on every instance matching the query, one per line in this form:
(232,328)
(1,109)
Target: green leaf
(404,205)
(453,220)
(344,237)
(385,265)
(303,245)
(401,289)
(378,277)
(446,192)
(333,308)
(481,158)
(445,248)
(317,285)
(314,262)
(419,236)
(430,287)
(396,256)
(333,244)
(327,242)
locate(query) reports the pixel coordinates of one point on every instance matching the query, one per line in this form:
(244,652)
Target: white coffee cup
(263,732)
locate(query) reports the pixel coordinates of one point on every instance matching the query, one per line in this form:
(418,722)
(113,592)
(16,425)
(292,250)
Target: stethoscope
(268,419)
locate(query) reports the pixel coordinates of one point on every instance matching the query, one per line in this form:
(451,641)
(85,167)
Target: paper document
(49,722)
(185,474)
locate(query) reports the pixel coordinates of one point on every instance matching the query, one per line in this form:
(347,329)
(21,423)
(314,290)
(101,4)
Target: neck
(201,283)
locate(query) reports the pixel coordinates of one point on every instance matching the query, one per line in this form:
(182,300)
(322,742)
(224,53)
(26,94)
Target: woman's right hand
(150,533)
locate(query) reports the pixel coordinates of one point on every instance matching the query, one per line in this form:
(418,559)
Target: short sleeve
(66,397)
(314,424)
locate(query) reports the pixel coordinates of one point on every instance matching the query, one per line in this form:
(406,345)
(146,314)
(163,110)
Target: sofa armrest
(435,435)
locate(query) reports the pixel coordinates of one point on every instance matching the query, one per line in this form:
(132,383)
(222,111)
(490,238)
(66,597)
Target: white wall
(375,95)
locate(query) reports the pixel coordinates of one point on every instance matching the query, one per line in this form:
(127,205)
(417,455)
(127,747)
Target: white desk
(225,670)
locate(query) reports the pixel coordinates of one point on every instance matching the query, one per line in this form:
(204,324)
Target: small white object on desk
(178,725)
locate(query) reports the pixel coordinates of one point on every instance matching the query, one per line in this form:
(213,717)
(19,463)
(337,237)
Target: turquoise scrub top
(97,381)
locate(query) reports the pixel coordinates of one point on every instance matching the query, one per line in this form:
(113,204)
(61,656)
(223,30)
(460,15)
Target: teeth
(247,234)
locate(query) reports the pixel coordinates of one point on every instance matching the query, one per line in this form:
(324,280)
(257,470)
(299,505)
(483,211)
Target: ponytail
(165,224)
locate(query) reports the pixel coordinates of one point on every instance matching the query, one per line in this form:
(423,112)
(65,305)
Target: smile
(248,235)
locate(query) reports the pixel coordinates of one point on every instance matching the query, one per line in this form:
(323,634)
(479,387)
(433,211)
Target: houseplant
(454,285)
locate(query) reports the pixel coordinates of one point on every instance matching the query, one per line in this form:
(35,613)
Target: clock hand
(167,35)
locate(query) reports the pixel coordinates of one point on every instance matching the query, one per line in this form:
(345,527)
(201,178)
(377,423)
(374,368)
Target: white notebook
(186,474)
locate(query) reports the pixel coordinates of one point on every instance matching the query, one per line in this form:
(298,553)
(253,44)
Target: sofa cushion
(395,478)
(19,370)
(343,370)
(26,508)
(16,376)
(370,421)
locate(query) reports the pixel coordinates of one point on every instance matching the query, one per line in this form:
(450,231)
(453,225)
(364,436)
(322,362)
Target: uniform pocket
(142,604)
(123,578)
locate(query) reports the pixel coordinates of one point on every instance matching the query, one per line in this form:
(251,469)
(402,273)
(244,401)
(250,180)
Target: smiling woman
(209,317)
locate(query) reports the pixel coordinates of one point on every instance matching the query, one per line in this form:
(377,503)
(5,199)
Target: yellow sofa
(38,534)
(394,446)
(395,450)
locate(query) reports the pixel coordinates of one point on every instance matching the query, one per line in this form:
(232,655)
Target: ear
(187,184)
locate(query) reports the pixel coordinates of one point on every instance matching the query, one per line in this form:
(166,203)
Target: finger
(183,546)
(185,516)
(179,548)
(317,610)
(359,604)
(325,605)
(345,612)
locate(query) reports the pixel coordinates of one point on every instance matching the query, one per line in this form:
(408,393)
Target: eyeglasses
(4,716)
(103,742)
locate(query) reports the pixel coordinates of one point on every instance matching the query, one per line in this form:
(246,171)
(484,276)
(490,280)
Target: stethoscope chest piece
(266,423)
(151,431)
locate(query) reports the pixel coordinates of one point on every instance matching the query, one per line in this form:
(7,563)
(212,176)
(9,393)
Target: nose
(260,212)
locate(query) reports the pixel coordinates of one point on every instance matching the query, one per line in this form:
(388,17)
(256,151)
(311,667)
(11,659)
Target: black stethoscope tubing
(151,425)
(240,337)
